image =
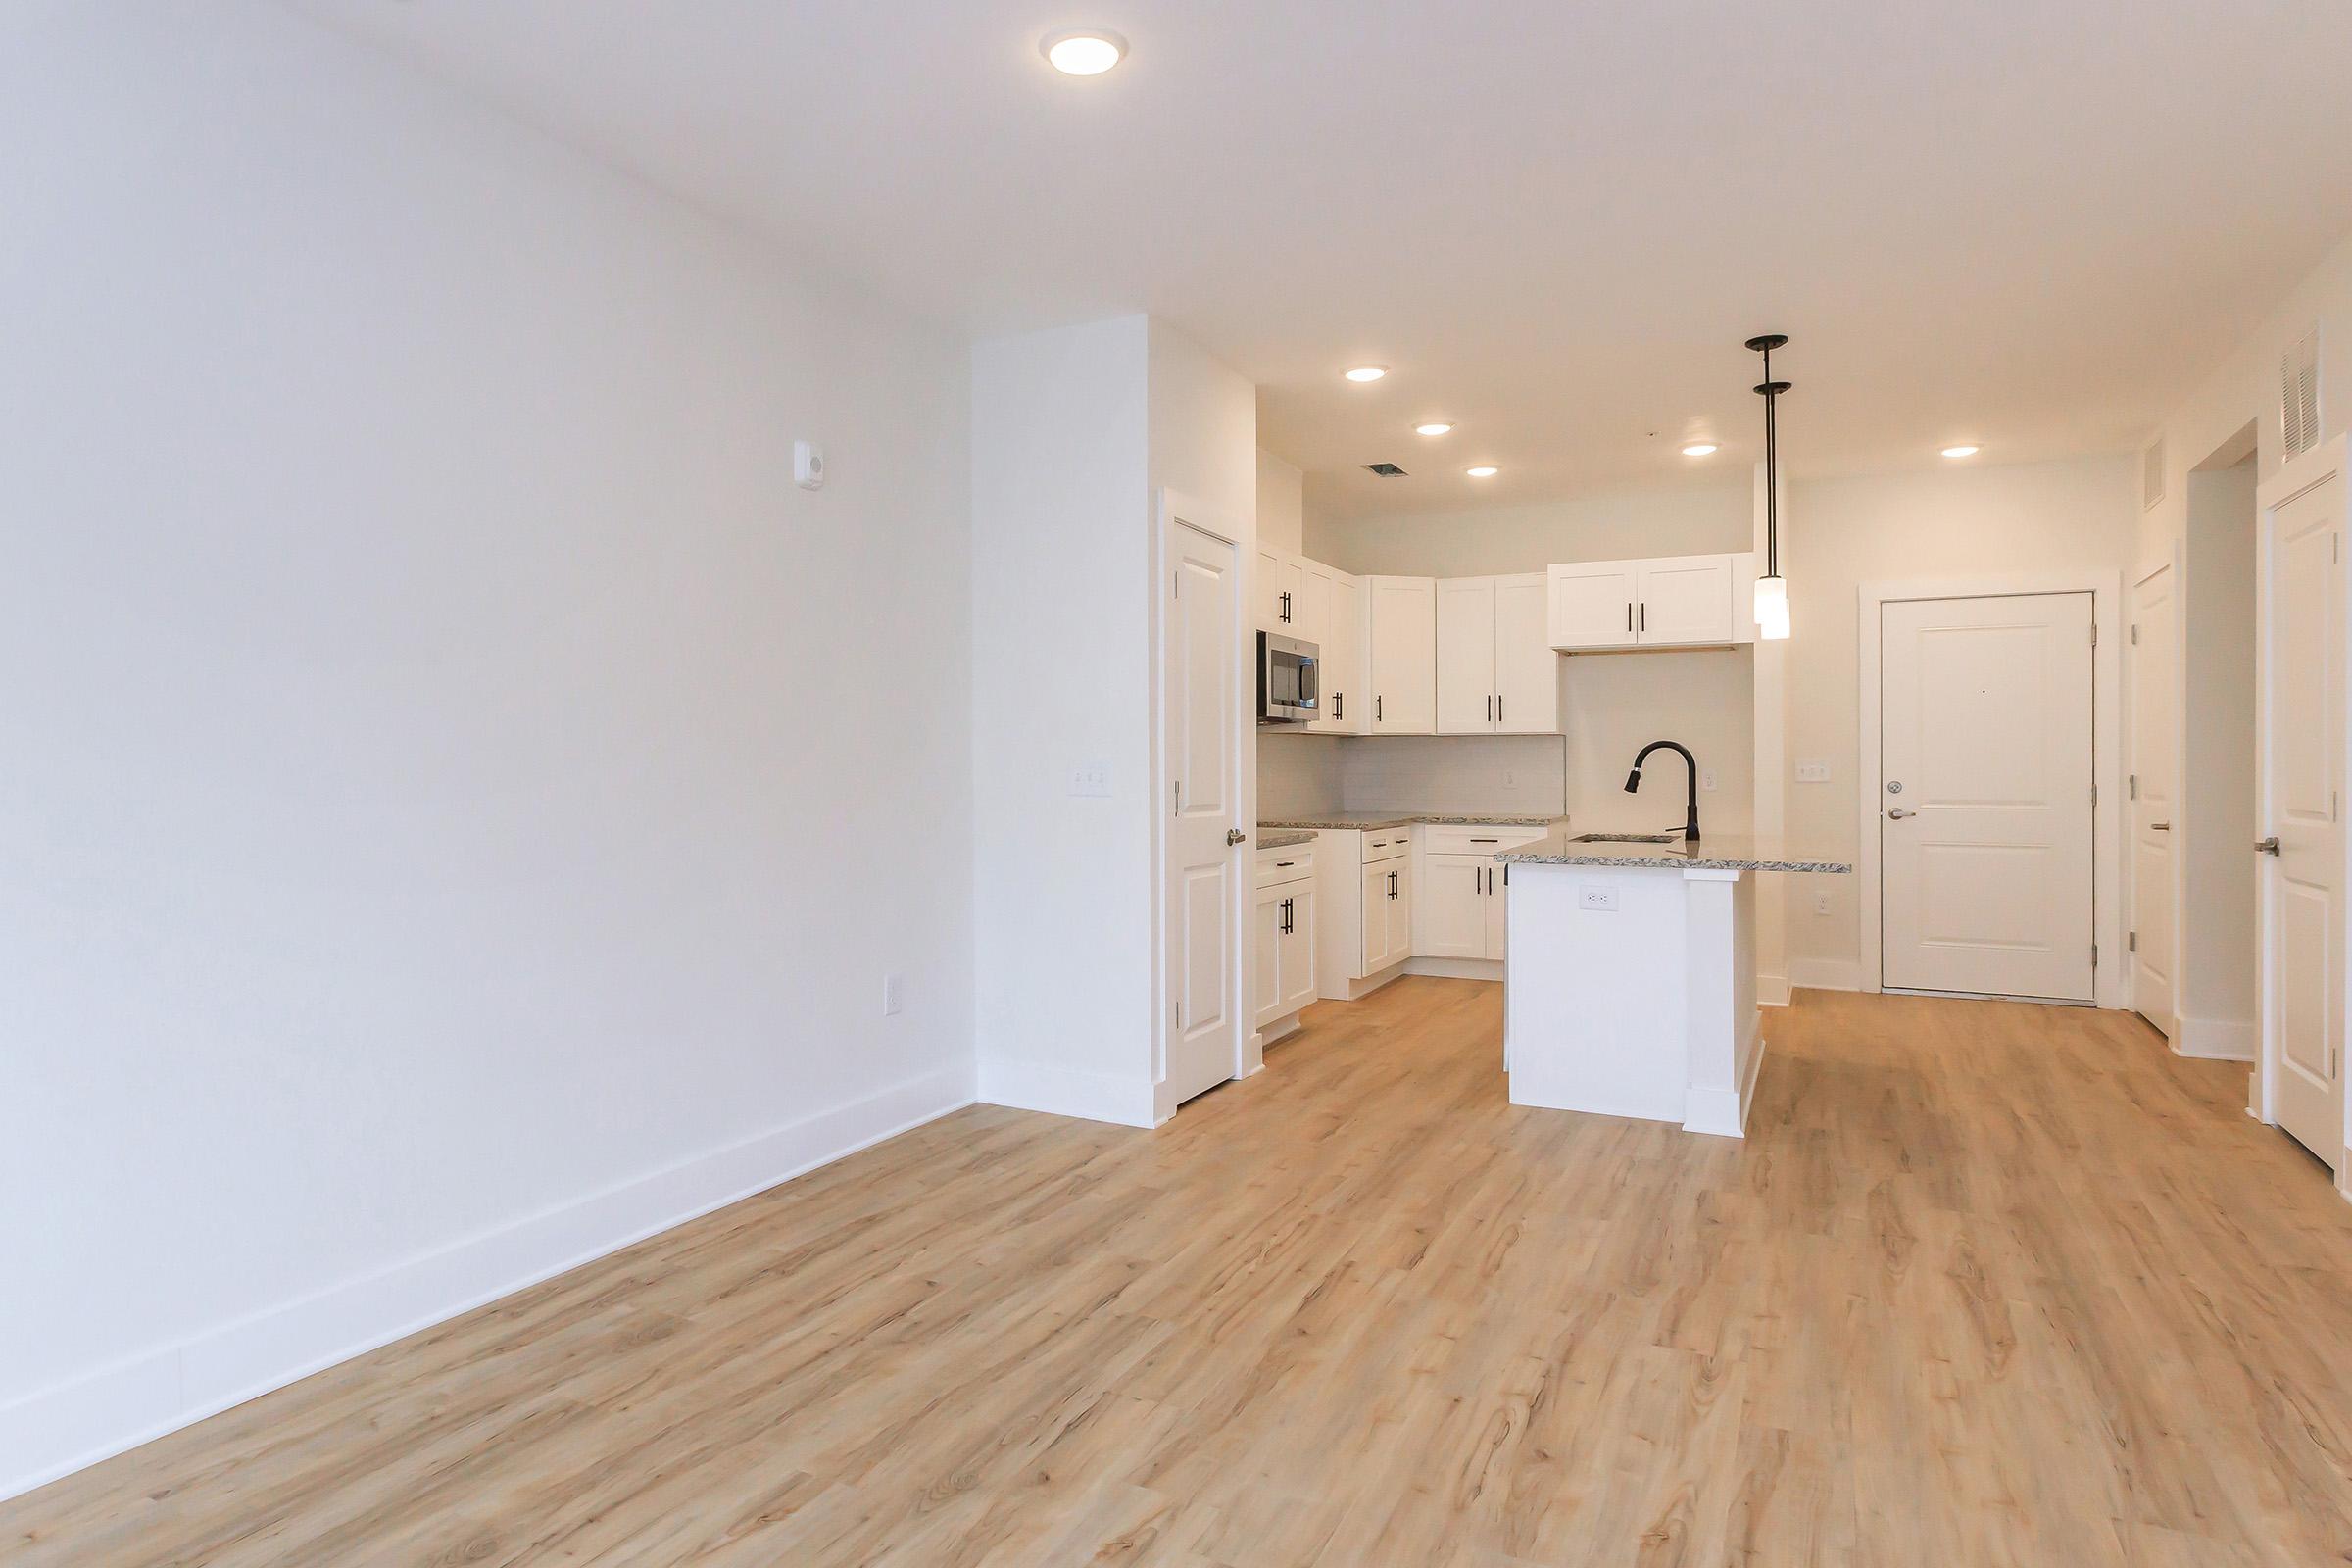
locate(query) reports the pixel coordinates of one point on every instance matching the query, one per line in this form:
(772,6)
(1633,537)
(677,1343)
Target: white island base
(1631,991)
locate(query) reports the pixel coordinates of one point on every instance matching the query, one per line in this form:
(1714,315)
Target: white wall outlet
(1092,780)
(1706,780)
(894,995)
(1812,770)
(1821,904)
(1510,776)
(807,465)
(1597,896)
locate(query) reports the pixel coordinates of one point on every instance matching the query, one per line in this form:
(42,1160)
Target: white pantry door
(2301,739)
(2155,729)
(1984,796)
(1202,717)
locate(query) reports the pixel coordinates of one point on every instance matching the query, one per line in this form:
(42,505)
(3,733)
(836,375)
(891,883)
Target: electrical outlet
(1510,776)
(1597,896)
(1812,770)
(894,995)
(1821,904)
(1093,780)
(1706,780)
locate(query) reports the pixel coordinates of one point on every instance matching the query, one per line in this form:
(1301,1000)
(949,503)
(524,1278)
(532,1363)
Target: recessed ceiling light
(1485,470)
(1083,54)
(1699,449)
(1367,372)
(1432,428)
(1959,452)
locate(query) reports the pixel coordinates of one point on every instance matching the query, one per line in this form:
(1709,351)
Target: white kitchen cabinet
(1402,654)
(1296,987)
(1282,977)
(1281,590)
(1335,621)
(1668,602)
(1452,908)
(1498,673)
(1387,894)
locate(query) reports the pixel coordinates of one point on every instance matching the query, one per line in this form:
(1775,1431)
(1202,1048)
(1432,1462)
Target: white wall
(459,799)
(1950,521)
(1695,520)
(1281,504)
(1061,567)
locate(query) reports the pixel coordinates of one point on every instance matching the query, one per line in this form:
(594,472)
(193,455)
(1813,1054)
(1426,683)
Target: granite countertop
(1715,852)
(1373,822)
(1283,838)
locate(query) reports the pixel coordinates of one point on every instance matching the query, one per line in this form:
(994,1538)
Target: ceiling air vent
(1387,471)
(2151,476)
(2299,395)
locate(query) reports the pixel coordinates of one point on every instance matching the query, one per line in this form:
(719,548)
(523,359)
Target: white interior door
(2154,794)
(1201,720)
(1985,816)
(2301,728)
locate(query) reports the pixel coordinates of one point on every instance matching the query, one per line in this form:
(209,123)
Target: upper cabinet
(1335,624)
(1498,673)
(1402,644)
(1668,602)
(1281,593)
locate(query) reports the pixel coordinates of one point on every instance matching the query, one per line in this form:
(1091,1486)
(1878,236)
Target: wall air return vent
(2151,476)
(2299,395)
(1387,471)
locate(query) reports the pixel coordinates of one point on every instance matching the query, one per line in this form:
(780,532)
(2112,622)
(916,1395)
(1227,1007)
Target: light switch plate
(894,995)
(1597,896)
(1812,771)
(1092,780)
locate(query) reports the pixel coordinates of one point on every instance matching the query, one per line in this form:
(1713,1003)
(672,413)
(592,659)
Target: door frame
(2294,478)
(2106,731)
(1170,508)
(2175,563)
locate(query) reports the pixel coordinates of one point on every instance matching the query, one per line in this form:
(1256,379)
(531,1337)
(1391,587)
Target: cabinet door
(1400,913)
(1498,909)
(1527,668)
(1465,654)
(1451,913)
(1377,905)
(1336,604)
(1297,946)
(1404,655)
(1685,599)
(1592,604)
(1265,954)
(1280,582)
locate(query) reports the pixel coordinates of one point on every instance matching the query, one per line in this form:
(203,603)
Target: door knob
(1895,814)
(2268,846)
(1233,835)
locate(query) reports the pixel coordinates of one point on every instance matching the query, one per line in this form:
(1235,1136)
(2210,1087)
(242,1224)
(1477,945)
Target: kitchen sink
(1627,838)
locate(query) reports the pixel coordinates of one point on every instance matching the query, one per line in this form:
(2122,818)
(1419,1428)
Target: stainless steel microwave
(1289,680)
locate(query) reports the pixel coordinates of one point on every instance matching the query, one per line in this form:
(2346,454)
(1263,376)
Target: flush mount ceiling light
(1367,372)
(1699,449)
(1959,452)
(1083,54)
(1434,428)
(1772,593)
(1485,470)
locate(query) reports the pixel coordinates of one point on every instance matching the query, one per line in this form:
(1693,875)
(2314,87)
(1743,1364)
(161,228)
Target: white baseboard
(1457,969)
(1772,990)
(1723,1112)
(2215,1039)
(1825,974)
(56,1431)
(1070,1092)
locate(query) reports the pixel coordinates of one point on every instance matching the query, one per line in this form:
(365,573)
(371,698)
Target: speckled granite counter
(1374,822)
(1283,838)
(1714,852)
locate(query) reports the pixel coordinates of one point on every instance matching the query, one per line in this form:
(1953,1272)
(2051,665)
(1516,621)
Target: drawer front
(1452,838)
(1387,843)
(1294,863)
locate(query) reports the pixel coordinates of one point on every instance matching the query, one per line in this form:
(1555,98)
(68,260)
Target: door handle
(1497,708)
(1376,708)
(2268,846)
(1339,706)
(1646,617)
(1895,814)
(1233,835)
(1629,615)
(2160,827)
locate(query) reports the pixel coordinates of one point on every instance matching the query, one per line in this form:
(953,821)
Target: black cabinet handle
(1486,841)
(1339,705)
(1629,615)
(1646,617)
(1498,707)
(1375,708)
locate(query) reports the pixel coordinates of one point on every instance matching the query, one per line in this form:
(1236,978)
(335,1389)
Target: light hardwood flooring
(1989,1284)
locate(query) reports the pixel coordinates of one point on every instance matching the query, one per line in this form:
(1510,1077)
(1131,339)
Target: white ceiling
(2025,222)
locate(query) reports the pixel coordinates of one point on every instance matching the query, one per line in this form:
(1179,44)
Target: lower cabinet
(1461,908)
(1388,913)
(1283,946)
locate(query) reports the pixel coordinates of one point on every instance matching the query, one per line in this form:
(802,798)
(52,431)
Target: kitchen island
(1630,975)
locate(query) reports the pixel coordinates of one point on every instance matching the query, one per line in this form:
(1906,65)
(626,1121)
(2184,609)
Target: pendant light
(1772,593)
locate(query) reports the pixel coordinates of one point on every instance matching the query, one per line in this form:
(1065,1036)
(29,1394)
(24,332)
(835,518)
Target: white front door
(2155,728)
(2301,740)
(1985,795)
(1201,718)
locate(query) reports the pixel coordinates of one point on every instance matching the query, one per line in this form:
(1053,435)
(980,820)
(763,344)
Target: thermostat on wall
(807,465)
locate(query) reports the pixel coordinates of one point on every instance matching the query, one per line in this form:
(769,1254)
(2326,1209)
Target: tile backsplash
(1501,775)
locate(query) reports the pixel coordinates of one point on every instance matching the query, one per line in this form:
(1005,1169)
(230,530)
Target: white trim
(56,1431)
(1825,974)
(1058,1091)
(2218,1039)
(2105,589)
(1772,990)
(1457,969)
(1723,1112)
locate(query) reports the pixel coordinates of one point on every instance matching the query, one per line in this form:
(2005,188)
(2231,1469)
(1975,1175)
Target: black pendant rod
(1771,391)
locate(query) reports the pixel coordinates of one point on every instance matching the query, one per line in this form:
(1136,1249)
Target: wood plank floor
(1989,1284)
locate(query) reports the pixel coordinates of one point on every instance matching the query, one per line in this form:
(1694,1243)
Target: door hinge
(1176,787)
(2134,634)
(2131,943)
(1179,1012)
(2094,634)
(1176,585)
(2094,795)
(2135,786)
(2094,955)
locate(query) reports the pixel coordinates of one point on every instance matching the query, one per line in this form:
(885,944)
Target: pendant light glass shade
(1772,608)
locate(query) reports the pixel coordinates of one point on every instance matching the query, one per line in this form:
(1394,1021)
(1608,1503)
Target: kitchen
(1421,736)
